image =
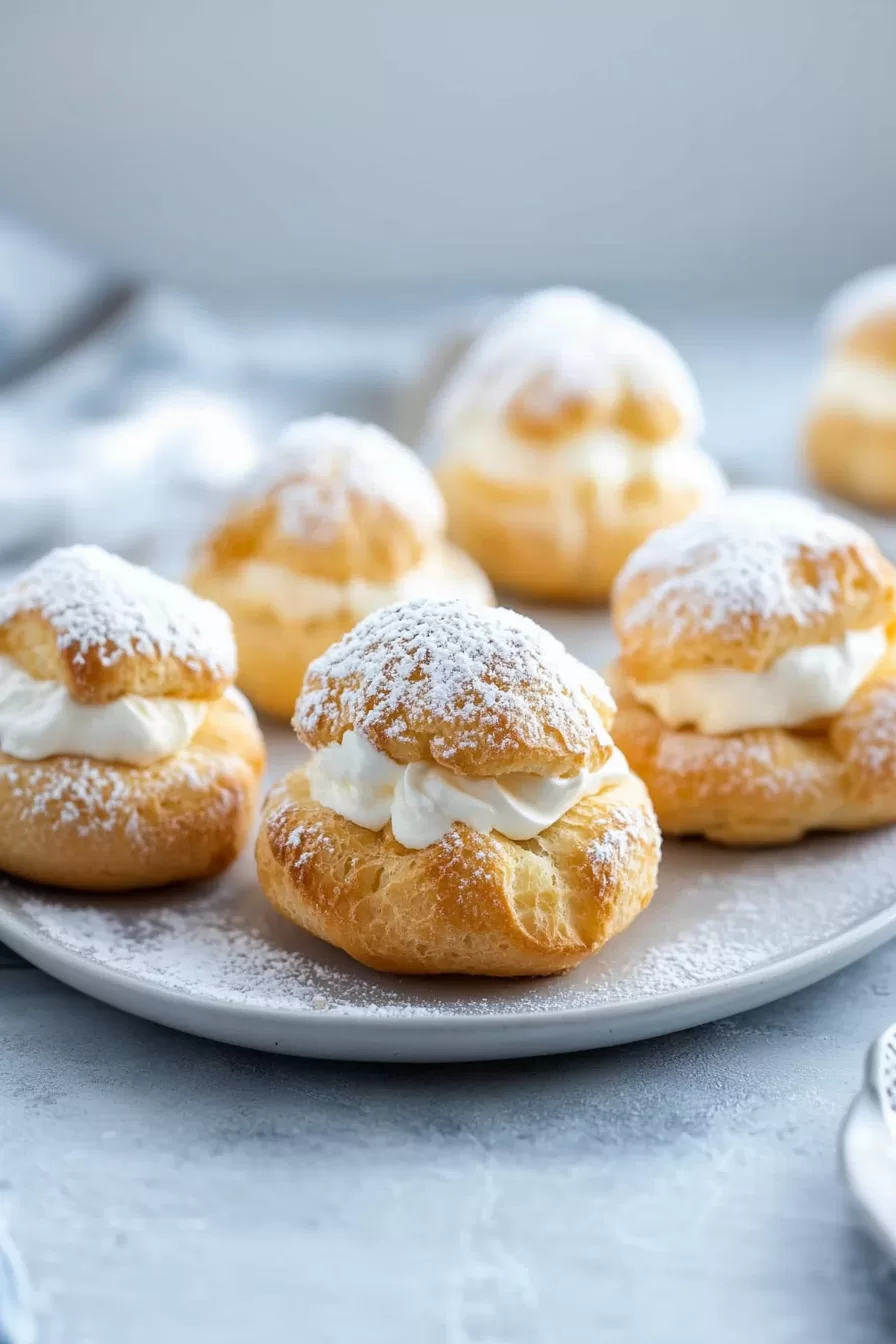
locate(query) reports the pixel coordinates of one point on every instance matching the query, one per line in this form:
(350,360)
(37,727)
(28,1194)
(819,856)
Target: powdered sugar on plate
(98,602)
(568,343)
(718,917)
(717,914)
(323,463)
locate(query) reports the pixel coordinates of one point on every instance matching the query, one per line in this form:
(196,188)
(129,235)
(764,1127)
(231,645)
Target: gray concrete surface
(682,1190)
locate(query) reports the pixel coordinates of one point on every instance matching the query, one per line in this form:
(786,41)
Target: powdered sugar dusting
(471,674)
(99,603)
(570,343)
(717,915)
(323,463)
(626,831)
(728,566)
(866,297)
(77,794)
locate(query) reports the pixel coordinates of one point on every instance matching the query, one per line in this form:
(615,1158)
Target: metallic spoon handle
(17,1320)
(882,1076)
(868,1143)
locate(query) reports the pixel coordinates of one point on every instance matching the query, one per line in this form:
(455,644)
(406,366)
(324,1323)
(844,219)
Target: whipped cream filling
(610,458)
(291,596)
(39,719)
(423,801)
(804,684)
(863,387)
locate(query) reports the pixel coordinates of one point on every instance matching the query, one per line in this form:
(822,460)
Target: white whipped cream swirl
(423,801)
(39,719)
(809,683)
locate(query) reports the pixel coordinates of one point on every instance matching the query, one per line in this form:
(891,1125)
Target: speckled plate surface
(726,931)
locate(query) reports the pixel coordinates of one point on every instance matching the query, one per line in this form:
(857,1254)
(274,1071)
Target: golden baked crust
(543,412)
(873,338)
(850,437)
(741,584)
(275,652)
(338,501)
(483,691)
(769,786)
(560,376)
(94,826)
(853,457)
(105,628)
(562,361)
(471,904)
(859,321)
(565,546)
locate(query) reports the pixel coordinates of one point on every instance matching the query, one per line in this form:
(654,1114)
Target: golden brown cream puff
(126,758)
(464,809)
(344,520)
(757,675)
(851,431)
(565,436)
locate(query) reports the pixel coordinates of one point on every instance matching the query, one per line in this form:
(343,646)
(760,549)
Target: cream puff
(566,436)
(344,520)
(464,809)
(851,432)
(756,680)
(126,758)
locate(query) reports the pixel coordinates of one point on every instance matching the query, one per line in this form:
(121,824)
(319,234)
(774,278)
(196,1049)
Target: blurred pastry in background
(127,760)
(565,436)
(851,432)
(756,680)
(343,519)
(464,810)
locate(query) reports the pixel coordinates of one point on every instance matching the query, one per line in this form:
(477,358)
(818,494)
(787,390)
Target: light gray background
(705,146)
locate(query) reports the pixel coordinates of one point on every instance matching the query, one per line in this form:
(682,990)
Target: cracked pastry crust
(472,904)
(103,629)
(854,457)
(850,433)
(340,520)
(739,588)
(743,584)
(483,693)
(275,652)
(98,826)
(567,435)
(563,542)
(769,786)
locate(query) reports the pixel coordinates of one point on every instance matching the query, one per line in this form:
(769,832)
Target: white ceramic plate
(726,931)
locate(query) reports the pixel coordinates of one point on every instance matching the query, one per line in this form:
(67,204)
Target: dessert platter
(461,830)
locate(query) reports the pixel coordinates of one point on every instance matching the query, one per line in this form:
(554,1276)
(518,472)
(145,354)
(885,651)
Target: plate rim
(689,1006)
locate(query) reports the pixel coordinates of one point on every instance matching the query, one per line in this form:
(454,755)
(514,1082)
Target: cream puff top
(102,659)
(565,386)
(432,713)
(324,464)
(764,612)
(566,343)
(867,297)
